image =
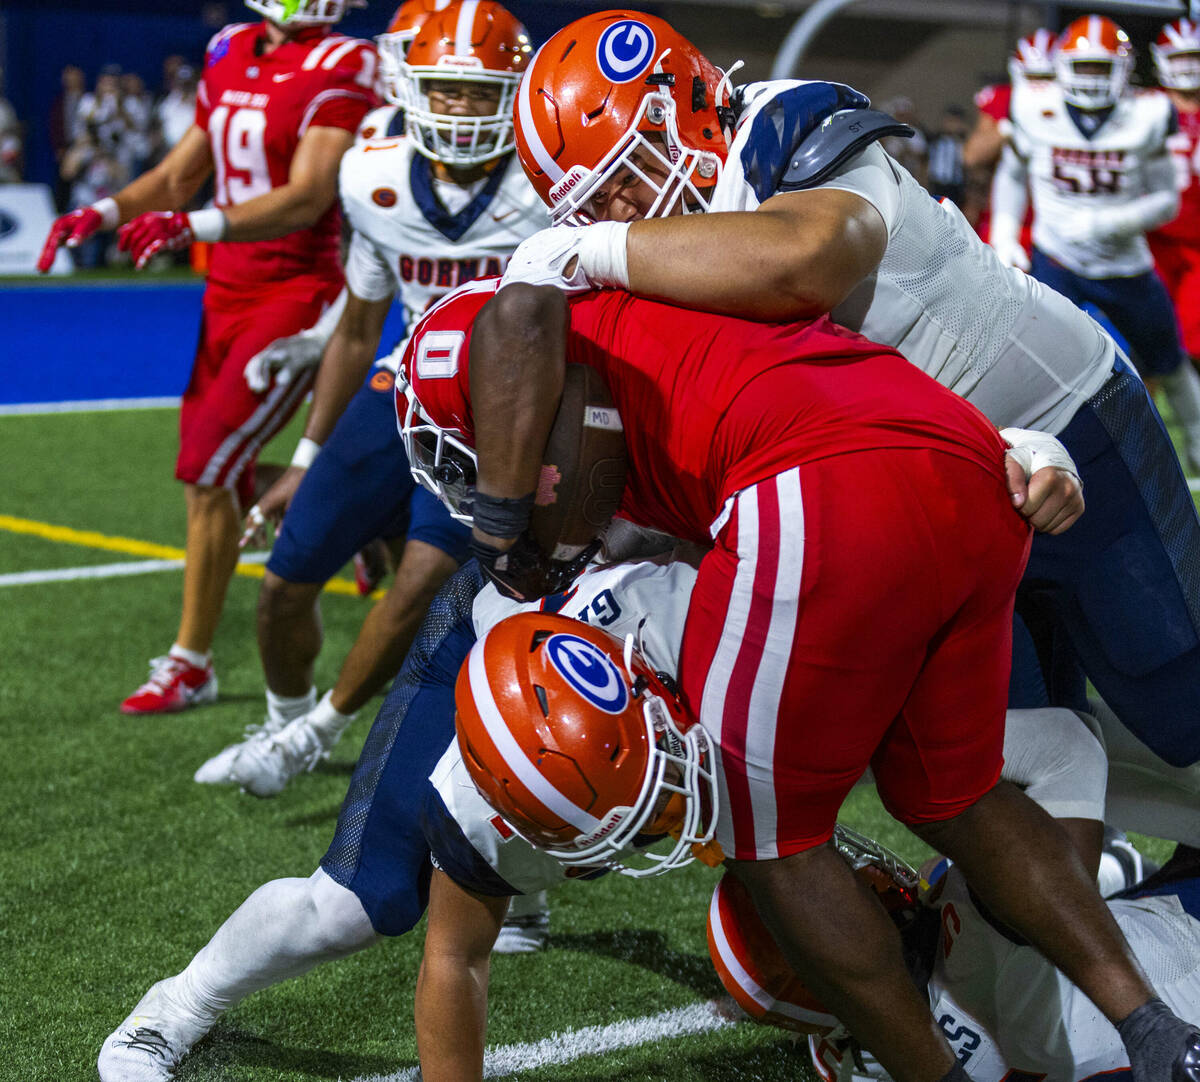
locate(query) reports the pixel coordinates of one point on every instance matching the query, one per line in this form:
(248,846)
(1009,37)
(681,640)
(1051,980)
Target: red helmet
(1093,59)
(608,85)
(748,960)
(476,44)
(1033,57)
(393,44)
(1176,55)
(581,748)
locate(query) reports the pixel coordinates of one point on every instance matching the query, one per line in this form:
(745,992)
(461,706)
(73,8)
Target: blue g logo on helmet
(589,671)
(625,50)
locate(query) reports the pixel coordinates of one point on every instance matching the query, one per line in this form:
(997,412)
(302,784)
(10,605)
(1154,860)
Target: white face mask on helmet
(289,13)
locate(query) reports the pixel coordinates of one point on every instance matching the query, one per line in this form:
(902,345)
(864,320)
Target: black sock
(1156,1040)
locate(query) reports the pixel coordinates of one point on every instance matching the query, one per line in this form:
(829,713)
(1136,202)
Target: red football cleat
(370,566)
(174,685)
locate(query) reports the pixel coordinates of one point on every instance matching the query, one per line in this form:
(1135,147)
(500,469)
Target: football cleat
(266,762)
(526,929)
(1121,865)
(174,685)
(149,1044)
(218,769)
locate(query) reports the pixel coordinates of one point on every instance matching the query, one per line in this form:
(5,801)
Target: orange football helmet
(393,44)
(470,44)
(749,962)
(620,89)
(581,748)
(1033,57)
(1176,55)
(1093,59)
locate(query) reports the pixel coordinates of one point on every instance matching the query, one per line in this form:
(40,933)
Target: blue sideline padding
(89,342)
(70,343)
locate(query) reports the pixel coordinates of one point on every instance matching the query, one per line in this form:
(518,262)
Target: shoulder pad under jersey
(835,142)
(774,131)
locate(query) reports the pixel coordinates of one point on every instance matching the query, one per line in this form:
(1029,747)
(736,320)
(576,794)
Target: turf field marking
(20,409)
(1194,484)
(560,1048)
(162,557)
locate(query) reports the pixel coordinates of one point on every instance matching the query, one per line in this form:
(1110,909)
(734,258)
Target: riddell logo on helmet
(609,825)
(459,62)
(563,188)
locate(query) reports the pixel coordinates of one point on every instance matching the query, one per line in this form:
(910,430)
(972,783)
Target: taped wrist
(602,254)
(502,516)
(1037,450)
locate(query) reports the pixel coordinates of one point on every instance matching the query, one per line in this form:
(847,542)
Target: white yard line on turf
(88,405)
(108,571)
(562,1048)
(1194,484)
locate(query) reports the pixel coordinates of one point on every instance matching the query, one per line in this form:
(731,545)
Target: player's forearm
(770,264)
(276,213)
(172,183)
(451,1018)
(1158,206)
(517,360)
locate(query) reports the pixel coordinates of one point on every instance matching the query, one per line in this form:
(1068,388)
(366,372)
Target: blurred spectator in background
(101,110)
(11,140)
(140,139)
(910,153)
(176,109)
(93,171)
(64,126)
(947,177)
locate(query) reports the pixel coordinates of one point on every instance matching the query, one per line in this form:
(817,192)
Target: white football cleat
(219,769)
(149,1044)
(268,761)
(526,929)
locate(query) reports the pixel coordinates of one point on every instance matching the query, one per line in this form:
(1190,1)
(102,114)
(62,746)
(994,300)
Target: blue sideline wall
(84,341)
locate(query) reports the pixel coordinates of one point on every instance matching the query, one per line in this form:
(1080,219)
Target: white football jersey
(420,238)
(648,600)
(1073,174)
(1021,353)
(998,997)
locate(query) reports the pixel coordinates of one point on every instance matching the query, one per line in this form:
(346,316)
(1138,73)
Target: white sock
(285,708)
(528,905)
(199,660)
(281,931)
(327,721)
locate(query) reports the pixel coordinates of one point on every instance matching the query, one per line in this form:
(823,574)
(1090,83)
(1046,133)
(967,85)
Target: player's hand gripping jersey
(940,297)
(711,405)
(1078,179)
(255,109)
(420,237)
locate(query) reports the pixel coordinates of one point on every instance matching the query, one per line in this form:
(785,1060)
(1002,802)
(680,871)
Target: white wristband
(208,224)
(602,255)
(110,213)
(306,451)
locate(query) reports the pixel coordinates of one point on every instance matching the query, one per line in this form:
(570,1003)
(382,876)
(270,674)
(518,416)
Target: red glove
(72,230)
(157,231)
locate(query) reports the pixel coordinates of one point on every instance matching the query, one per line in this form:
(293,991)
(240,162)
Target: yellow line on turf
(130,546)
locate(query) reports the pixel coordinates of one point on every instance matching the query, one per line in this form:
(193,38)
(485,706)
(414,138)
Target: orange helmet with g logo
(581,748)
(607,86)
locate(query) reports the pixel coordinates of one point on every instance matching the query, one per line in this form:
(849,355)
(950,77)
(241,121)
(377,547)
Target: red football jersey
(255,110)
(711,404)
(1185,152)
(994,100)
